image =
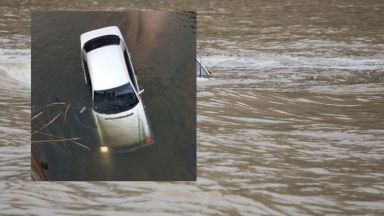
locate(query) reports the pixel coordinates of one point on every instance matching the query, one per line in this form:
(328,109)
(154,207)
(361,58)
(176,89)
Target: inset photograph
(113,96)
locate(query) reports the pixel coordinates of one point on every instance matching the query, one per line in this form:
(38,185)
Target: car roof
(107,67)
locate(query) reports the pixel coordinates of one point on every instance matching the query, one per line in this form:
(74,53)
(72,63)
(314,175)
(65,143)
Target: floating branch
(37,115)
(73,140)
(61,139)
(65,113)
(49,105)
(46,125)
(54,138)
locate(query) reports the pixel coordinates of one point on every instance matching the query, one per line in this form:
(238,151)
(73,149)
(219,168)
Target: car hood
(123,129)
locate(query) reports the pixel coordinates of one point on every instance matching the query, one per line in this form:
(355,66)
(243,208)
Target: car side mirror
(141,91)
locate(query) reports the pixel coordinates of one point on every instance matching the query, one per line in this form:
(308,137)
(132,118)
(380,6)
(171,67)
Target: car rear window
(101,41)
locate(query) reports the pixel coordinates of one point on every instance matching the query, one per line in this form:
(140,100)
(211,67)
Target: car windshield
(115,100)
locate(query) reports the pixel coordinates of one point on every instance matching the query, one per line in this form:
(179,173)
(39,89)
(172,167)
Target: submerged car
(201,72)
(117,104)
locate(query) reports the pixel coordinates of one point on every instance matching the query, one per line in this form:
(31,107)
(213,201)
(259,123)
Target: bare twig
(46,125)
(55,140)
(65,113)
(37,115)
(73,140)
(51,135)
(80,144)
(54,137)
(48,105)
(62,140)
(82,109)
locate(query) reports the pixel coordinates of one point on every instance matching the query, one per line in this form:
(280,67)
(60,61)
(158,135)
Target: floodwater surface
(291,124)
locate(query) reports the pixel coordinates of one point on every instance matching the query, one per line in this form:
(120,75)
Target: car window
(130,70)
(101,41)
(116,100)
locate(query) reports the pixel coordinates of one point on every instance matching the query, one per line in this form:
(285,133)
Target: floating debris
(82,109)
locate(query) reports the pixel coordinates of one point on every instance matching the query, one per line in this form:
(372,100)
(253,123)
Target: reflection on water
(292,123)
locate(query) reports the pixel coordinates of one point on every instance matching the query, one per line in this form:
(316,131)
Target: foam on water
(17,65)
(279,61)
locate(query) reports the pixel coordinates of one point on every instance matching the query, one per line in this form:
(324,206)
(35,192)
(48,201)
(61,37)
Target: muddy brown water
(291,124)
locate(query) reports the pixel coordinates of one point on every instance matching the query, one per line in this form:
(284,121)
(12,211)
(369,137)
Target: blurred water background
(291,124)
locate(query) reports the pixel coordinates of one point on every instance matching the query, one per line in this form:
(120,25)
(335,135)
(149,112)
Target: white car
(117,103)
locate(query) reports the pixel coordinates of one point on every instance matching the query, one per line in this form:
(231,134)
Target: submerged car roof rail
(101,41)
